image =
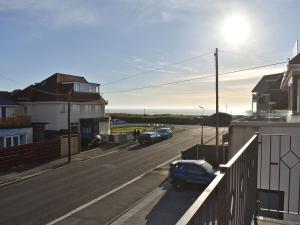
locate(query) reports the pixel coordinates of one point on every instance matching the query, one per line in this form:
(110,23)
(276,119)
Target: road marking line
(108,193)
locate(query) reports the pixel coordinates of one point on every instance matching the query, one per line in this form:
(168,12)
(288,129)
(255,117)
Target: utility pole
(69,127)
(201,123)
(217,103)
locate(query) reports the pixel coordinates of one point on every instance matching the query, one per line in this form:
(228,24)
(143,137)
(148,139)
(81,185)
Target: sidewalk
(162,206)
(21,172)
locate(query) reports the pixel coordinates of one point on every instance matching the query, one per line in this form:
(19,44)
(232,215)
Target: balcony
(15,122)
(260,184)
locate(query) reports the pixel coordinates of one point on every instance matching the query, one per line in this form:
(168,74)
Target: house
(15,127)
(47,104)
(278,143)
(291,83)
(260,184)
(267,94)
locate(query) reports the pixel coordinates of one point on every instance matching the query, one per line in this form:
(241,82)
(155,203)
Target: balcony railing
(15,122)
(279,176)
(231,198)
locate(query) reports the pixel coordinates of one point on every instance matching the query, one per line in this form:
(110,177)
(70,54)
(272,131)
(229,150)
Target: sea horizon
(157,111)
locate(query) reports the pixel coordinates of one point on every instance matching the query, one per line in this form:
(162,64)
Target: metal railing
(231,198)
(279,175)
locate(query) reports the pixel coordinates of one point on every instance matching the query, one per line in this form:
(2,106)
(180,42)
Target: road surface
(44,198)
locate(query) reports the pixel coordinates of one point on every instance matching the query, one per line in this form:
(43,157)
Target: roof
(6,98)
(59,84)
(267,82)
(199,162)
(61,77)
(295,60)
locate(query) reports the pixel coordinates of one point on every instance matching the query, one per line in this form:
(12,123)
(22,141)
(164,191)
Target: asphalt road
(44,198)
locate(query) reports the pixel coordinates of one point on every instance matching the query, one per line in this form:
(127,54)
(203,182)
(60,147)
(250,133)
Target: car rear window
(209,168)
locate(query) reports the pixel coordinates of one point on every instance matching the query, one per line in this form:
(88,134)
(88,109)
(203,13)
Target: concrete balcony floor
(269,221)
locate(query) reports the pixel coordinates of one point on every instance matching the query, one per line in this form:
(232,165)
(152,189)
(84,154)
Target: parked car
(182,172)
(165,133)
(149,138)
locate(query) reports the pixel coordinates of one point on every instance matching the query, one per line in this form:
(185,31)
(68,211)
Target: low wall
(121,138)
(208,153)
(38,151)
(75,145)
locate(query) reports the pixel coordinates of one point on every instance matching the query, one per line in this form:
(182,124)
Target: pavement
(72,193)
(25,171)
(162,206)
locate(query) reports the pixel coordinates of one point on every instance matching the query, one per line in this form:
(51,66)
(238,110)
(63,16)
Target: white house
(278,150)
(47,103)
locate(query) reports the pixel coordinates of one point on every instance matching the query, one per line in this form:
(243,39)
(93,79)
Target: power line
(156,69)
(195,78)
(248,55)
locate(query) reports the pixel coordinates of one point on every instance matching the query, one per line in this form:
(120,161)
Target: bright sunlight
(236,30)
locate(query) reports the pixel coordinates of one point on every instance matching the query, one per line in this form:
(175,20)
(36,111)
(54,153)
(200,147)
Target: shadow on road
(172,205)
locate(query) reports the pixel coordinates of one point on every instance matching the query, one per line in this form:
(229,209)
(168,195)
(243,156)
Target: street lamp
(201,123)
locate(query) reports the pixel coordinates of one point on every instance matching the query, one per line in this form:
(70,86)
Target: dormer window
(86,87)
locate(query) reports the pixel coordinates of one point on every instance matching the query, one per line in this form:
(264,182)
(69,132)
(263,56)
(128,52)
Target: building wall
(270,150)
(55,113)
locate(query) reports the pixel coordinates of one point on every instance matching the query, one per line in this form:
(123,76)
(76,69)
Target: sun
(236,30)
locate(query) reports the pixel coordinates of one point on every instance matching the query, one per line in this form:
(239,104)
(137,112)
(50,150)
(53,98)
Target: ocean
(161,111)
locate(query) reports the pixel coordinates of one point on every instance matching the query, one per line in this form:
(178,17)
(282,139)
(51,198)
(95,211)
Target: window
(11,141)
(3,112)
(1,142)
(85,87)
(23,139)
(63,108)
(15,140)
(8,142)
(77,87)
(195,169)
(75,108)
(93,108)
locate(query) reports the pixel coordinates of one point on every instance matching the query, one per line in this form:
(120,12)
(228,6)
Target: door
(197,174)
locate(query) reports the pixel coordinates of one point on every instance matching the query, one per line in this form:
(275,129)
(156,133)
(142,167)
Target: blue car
(191,171)
(165,133)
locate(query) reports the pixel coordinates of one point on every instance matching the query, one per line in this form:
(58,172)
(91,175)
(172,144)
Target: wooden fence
(38,151)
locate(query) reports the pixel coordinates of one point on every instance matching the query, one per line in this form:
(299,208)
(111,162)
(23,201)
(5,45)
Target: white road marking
(108,193)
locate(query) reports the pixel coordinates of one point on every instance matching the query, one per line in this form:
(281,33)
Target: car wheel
(178,185)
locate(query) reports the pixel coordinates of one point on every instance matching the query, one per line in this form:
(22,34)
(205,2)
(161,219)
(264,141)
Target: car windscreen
(209,168)
(162,131)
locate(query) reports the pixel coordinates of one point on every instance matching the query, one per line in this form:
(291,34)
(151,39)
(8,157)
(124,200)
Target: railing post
(257,196)
(222,198)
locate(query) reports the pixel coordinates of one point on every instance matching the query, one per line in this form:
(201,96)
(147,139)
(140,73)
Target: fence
(231,198)
(279,176)
(207,152)
(44,150)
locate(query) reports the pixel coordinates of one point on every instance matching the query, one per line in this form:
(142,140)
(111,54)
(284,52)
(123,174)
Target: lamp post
(201,123)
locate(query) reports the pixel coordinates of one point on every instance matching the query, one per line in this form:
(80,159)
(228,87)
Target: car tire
(178,185)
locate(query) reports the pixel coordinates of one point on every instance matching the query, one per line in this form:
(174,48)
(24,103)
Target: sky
(106,41)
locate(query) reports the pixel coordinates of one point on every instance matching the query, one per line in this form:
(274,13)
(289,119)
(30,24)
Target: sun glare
(236,30)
